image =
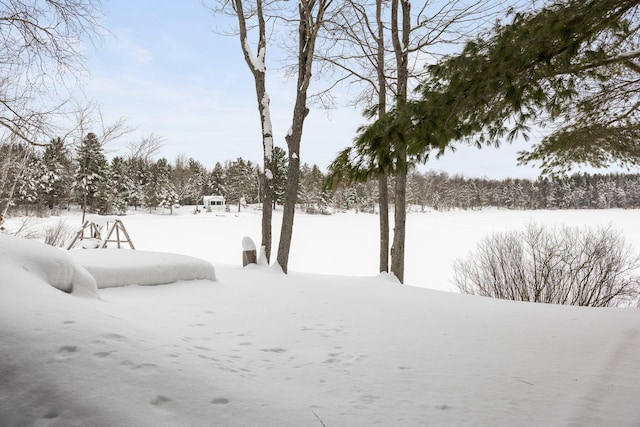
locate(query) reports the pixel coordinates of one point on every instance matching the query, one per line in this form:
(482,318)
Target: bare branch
(41,64)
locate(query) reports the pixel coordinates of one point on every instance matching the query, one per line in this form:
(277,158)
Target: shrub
(561,265)
(27,228)
(58,234)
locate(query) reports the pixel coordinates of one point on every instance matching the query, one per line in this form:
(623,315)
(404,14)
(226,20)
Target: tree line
(60,175)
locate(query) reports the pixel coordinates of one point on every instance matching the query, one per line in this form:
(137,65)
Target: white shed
(214,203)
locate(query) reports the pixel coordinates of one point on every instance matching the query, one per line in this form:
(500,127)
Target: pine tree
(137,172)
(117,188)
(33,181)
(280,165)
(59,169)
(196,181)
(168,198)
(158,186)
(91,171)
(240,181)
(216,183)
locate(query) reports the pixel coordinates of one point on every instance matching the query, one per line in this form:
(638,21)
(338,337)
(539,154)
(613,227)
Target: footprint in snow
(114,337)
(103,354)
(273,350)
(67,351)
(134,366)
(161,401)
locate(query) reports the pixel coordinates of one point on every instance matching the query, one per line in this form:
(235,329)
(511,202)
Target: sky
(167,68)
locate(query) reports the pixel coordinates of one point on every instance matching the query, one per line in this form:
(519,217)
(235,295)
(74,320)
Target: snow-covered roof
(205,198)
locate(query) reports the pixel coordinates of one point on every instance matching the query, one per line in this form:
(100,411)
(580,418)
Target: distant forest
(37,180)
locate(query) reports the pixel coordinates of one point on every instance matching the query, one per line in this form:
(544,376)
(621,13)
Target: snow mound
(121,267)
(247,244)
(21,258)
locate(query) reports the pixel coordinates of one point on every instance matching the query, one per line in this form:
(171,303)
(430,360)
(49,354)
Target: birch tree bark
(257,67)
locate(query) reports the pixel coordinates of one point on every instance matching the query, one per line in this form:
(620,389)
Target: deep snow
(257,347)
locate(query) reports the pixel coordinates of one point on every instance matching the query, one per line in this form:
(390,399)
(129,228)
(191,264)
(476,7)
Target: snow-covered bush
(560,265)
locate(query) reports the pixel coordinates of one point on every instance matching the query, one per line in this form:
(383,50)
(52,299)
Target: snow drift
(122,267)
(24,259)
(257,347)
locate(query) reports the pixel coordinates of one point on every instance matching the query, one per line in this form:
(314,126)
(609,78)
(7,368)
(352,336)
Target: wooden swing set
(90,235)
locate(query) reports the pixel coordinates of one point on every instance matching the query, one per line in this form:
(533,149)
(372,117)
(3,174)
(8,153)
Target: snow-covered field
(332,343)
(347,244)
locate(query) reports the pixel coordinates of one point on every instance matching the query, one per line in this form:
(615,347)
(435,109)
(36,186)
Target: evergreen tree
(280,165)
(157,189)
(33,182)
(137,172)
(240,182)
(216,184)
(91,170)
(573,63)
(168,197)
(196,181)
(118,187)
(181,179)
(59,173)
(312,190)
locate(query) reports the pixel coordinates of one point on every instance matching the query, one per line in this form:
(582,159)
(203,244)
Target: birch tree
(311,15)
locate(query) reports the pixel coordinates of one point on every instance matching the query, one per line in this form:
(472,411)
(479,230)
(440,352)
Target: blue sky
(166,68)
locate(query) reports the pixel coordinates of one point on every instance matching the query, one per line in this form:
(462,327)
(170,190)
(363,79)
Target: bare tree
(90,118)
(41,41)
(250,15)
(561,265)
(383,184)
(311,15)
(385,45)
(145,148)
(355,47)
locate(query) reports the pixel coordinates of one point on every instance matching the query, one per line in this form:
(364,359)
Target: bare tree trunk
(383,191)
(257,67)
(308,28)
(383,202)
(290,199)
(400,218)
(400,38)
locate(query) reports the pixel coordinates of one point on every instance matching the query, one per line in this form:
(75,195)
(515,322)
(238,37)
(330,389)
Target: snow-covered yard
(332,343)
